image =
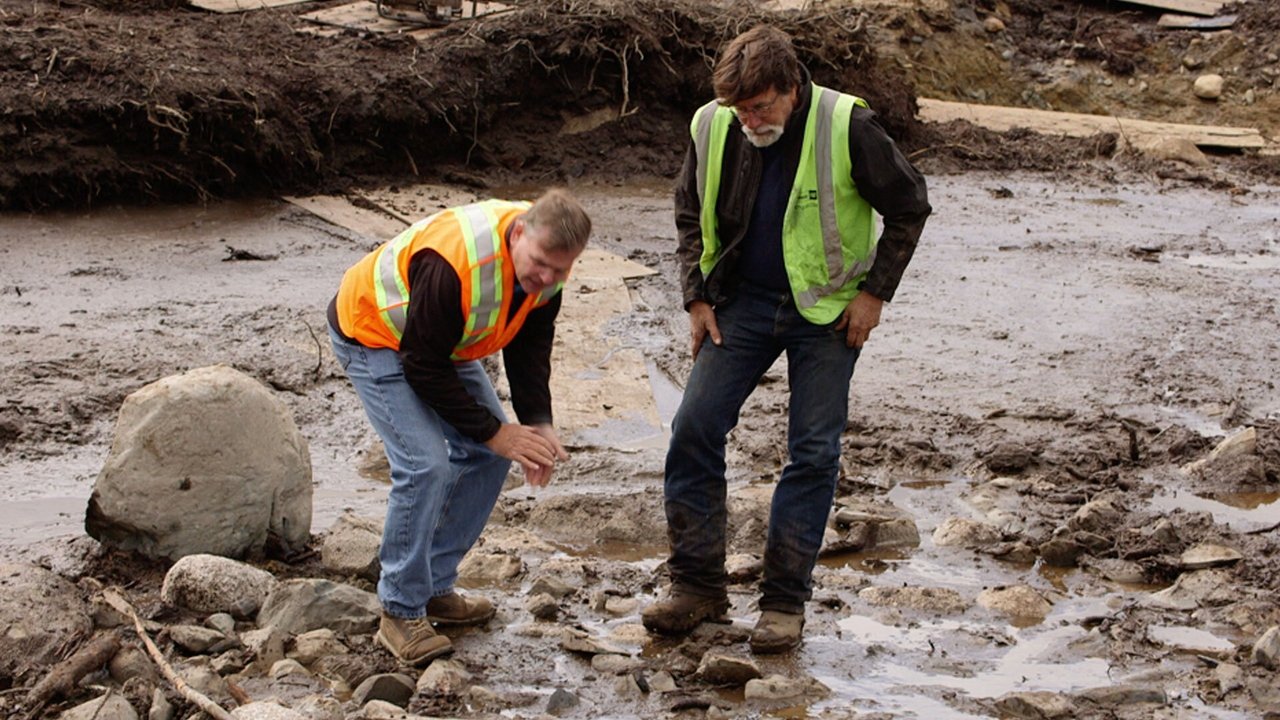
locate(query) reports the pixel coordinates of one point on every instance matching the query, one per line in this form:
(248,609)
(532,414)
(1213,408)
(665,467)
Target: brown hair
(755,61)
(566,222)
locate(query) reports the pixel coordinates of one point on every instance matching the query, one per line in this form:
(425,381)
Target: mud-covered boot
(777,632)
(680,612)
(455,609)
(412,640)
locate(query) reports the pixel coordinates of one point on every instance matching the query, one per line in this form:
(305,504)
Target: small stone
(1208,87)
(993,24)
(560,701)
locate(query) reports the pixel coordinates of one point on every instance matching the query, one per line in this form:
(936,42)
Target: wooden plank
(231,6)
(340,211)
(1170,21)
(1207,8)
(1000,119)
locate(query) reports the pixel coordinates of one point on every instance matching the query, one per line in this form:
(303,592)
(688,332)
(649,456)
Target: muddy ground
(1079,325)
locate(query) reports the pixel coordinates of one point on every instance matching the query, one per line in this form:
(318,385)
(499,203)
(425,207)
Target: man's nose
(751,120)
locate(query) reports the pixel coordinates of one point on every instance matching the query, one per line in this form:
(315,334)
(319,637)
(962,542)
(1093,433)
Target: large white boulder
(204,462)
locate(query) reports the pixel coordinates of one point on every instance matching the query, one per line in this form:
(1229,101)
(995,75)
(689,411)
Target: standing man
(777,243)
(409,325)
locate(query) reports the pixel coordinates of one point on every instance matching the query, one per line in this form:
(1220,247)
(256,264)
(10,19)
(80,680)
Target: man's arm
(885,179)
(431,332)
(689,229)
(527,360)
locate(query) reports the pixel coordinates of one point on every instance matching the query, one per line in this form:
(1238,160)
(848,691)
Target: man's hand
(862,314)
(702,322)
(540,475)
(530,447)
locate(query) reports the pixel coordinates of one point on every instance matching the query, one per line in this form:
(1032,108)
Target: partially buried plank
(1189,7)
(230,6)
(1169,21)
(1000,119)
(363,16)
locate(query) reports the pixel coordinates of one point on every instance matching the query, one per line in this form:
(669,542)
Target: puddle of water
(872,562)
(616,550)
(666,394)
(1254,511)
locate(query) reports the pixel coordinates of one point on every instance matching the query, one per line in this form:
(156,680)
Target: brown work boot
(680,612)
(777,632)
(412,640)
(455,609)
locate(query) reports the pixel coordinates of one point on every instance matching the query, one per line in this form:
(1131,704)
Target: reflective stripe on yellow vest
(373,300)
(828,232)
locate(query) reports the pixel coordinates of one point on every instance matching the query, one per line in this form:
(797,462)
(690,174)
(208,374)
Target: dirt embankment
(104,101)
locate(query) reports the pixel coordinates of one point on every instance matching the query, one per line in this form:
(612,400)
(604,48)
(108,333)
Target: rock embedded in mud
(1009,458)
(1266,652)
(351,547)
(111,705)
(209,461)
(1207,555)
(1017,601)
(40,615)
(1208,87)
(719,668)
(266,711)
(297,606)
(1037,705)
(963,532)
(395,688)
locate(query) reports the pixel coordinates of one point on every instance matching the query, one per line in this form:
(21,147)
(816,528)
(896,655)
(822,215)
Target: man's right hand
(525,445)
(702,322)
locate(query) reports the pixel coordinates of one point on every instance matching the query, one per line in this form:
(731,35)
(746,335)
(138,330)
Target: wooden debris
(211,708)
(1131,131)
(1207,8)
(1170,21)
(64,676)
(363,16)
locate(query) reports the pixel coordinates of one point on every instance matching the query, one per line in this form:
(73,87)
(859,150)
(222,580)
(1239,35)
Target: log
(65,675)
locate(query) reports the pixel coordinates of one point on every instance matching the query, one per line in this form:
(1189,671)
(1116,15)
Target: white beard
(764,136)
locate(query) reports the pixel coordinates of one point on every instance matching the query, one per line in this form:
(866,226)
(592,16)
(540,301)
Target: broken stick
(213,709)
(63,678)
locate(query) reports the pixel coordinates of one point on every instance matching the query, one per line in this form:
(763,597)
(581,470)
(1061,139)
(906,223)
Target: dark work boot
(777,632)
(680,612)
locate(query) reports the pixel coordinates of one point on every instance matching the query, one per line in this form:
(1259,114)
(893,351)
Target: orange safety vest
(373,300)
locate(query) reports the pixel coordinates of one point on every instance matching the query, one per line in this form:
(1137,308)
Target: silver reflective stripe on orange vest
(390,288)
(832,247)
(479,225)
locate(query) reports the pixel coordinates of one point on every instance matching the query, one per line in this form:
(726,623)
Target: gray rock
(311,646)
(543,607)
(1207,555)
(133,662)
(444,678)
(963,532)
(561,701)
(108,706)
(489,568)
(40,614)
(205,462)
(1114,695)
(394,688)
(265,644)
(1039,705)
(161,708)
(719,668)
(351,547)
(1018,601)
(195,640)
(1266,652)
(780,687)
(298,606)
(552,586)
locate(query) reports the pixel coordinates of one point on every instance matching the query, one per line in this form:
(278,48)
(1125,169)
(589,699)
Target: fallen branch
(213,709)
(65,675)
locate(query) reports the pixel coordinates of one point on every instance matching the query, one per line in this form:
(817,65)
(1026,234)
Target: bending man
(409,325)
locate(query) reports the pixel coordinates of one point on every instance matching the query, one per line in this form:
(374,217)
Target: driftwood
(211,708)
(63,678)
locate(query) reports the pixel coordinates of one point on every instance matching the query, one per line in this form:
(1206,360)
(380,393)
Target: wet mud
(1060,364)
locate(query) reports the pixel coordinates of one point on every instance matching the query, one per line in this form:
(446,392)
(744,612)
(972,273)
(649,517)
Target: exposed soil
(104,101)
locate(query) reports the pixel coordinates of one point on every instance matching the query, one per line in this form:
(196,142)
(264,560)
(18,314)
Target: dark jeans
(758,326)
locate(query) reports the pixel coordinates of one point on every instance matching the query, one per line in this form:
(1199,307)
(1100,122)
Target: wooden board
(1170,21)
(363,16)
(342,212)
(999,118)
(1186,7)
(230,6)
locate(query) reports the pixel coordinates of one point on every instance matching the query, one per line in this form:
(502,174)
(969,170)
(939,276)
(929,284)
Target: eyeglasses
(758,110)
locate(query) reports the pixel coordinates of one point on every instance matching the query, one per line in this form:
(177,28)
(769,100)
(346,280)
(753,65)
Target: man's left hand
(858,319)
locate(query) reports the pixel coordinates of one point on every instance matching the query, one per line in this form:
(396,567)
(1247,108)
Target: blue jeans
(757,326)
(443,484)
